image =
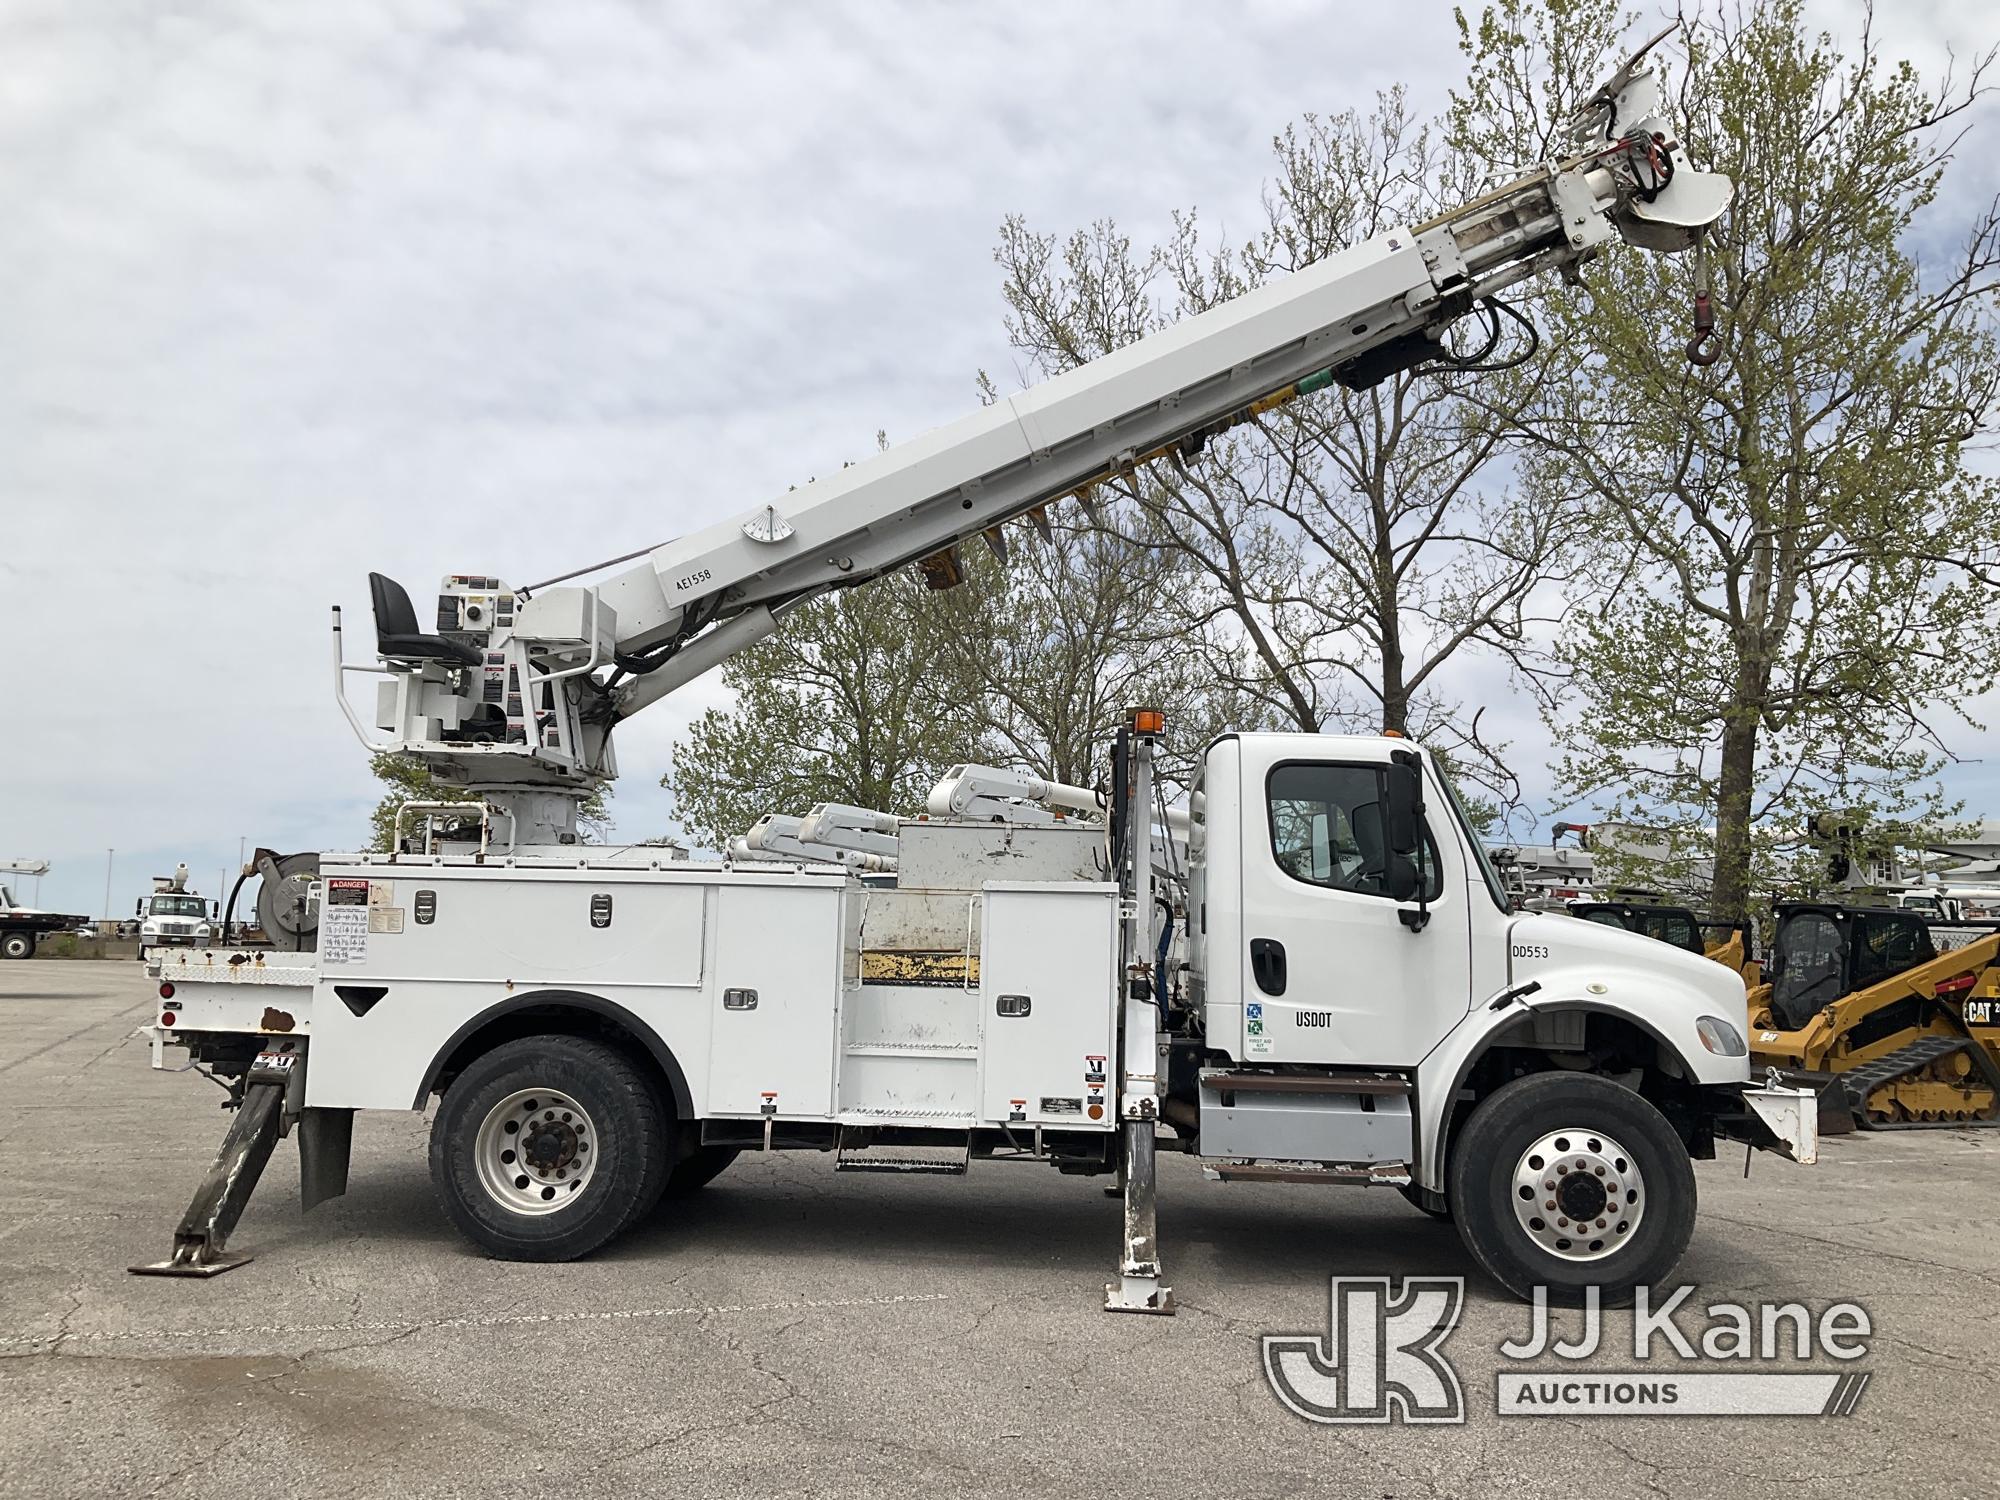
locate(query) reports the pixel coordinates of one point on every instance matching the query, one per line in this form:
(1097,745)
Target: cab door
(1335,969)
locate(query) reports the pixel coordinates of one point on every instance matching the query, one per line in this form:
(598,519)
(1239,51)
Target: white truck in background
(1356,1003)
(176,916)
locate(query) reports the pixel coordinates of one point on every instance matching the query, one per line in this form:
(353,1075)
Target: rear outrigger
(1309,974)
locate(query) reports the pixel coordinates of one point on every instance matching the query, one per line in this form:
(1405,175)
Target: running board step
(947,1160)
(1386,1173)
(1306,1083)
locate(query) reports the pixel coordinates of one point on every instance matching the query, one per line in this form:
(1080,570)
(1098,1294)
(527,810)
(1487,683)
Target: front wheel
(1567,1181)
(17,945)
(546,1147)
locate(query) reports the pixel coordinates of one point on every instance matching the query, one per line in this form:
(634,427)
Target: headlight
(1721,1038)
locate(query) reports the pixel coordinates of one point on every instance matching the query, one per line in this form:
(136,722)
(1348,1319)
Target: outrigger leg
(269,1107)
(225,1190)
(1138,1288)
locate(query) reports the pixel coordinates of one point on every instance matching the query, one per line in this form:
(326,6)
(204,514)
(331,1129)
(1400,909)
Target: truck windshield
(179,906)
(1491,876)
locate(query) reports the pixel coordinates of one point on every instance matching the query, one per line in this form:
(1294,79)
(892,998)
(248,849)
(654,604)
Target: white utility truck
(175,916)
(1356,1004)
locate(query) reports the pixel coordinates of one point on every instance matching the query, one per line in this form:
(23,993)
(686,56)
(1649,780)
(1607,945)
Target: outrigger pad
(214,1265)
(1139,1294)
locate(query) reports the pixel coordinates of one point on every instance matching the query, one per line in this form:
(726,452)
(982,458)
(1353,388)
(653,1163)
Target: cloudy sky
(291,293)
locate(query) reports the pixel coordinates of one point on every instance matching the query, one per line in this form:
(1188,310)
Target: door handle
(1267,965)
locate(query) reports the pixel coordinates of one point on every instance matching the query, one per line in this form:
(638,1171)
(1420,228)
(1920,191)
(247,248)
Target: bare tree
(1343,552)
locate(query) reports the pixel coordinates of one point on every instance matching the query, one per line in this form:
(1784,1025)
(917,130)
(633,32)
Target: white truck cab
(1310,949)
(174,916)
(1303,952)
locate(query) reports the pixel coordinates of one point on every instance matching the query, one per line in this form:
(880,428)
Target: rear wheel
(1567,1181)
(546,1147)
(17,945)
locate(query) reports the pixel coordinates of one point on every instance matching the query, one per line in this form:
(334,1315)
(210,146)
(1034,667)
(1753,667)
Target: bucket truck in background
(1357,1003)
(175,916)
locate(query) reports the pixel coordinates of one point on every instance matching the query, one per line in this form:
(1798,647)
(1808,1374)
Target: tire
(1598,1144)
(17,945)
(699,1168)
(1426,1202)
(574,1201)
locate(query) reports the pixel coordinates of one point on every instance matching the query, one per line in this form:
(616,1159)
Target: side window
(1674,927)
(1890,943)
(1327,829)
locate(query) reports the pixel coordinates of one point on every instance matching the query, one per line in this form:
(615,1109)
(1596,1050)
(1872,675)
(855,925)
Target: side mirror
(139,907)
(1402,831)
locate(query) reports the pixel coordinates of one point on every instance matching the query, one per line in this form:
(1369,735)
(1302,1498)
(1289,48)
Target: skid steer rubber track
(1925,1061)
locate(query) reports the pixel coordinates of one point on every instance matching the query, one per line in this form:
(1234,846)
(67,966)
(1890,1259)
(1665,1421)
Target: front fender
(1665,1011)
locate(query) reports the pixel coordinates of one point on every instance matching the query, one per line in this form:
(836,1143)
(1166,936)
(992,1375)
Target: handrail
(340,671)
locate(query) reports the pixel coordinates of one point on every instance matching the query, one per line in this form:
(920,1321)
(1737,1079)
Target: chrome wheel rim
(536,1151)
(1578,1194)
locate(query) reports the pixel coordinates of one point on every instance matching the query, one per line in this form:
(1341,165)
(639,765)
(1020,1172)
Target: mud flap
(326,1140)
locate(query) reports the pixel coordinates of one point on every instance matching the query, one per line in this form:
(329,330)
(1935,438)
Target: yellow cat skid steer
(1894,1033)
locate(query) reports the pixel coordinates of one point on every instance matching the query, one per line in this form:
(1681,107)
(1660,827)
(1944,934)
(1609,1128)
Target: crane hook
(1704,348)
